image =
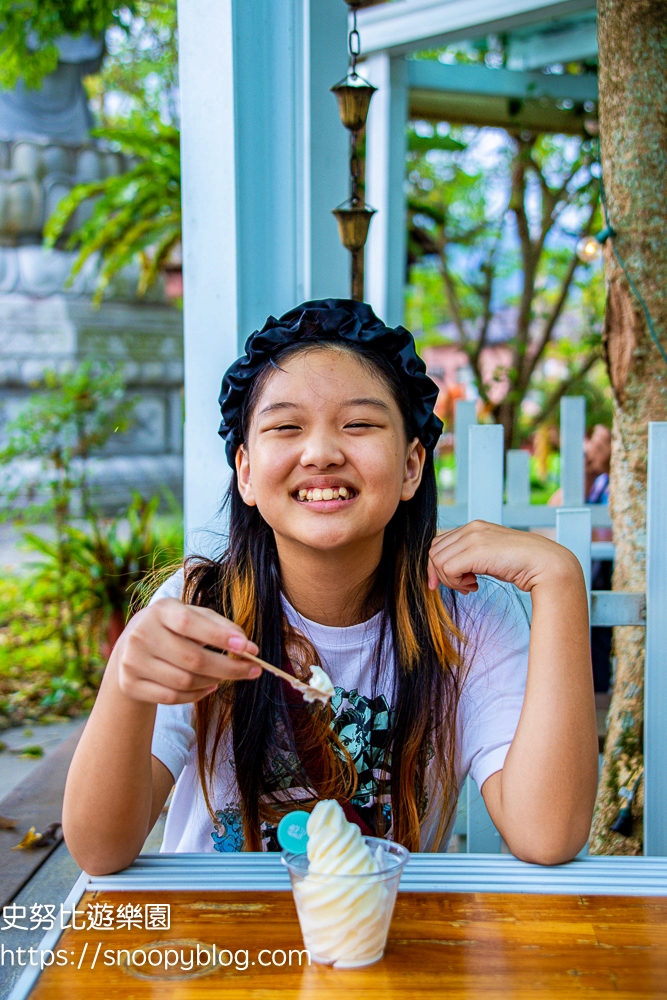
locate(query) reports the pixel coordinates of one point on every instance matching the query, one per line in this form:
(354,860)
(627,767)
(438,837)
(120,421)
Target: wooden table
(513,943)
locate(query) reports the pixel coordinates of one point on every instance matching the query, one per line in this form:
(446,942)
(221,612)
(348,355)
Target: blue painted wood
(614,607)
(485,501)
(413,25)
(608,607)
(465,415)
(525,516)
(572,430)
(485,472)
(458,79)
(423,873)
(517,483)
(385,175)
(573,530)
(655,680)
(603,551)
(573,43)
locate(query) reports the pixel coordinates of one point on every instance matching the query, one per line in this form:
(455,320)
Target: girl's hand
(519,557)
(161,656)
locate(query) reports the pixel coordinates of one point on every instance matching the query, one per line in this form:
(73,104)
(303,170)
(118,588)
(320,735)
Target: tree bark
(633,130)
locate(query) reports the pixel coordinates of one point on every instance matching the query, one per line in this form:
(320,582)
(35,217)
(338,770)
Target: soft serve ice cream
(343,920)
(322,688)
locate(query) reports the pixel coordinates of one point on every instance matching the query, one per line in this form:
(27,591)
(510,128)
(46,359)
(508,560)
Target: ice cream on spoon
(320,687)
(317,688)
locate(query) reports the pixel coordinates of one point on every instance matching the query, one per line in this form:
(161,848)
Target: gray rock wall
(46,324)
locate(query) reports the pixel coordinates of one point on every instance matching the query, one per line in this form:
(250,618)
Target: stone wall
(45,324)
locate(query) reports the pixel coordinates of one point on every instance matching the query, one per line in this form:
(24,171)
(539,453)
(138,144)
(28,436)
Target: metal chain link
(354,44)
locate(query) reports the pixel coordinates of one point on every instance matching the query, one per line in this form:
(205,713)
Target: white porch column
(385,174)
(264,162)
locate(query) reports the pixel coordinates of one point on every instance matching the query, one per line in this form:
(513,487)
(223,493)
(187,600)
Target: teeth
(328,493)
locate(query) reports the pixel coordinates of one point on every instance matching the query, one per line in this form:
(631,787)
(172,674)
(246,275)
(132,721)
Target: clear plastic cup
(345,919)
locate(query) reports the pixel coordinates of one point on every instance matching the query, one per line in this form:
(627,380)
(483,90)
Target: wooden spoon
(291,680)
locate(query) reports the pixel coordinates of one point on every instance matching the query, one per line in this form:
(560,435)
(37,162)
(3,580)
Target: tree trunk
(633,130)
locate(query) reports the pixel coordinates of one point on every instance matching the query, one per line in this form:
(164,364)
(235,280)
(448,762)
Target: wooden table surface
(454,945)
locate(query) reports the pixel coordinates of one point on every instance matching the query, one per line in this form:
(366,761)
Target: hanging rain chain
(354,215)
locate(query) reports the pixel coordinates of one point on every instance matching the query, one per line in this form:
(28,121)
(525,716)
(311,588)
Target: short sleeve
(173,737)
(173,734)
(495,624)
(173,587)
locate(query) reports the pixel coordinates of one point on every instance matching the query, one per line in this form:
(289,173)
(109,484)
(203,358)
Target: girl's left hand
(519,557)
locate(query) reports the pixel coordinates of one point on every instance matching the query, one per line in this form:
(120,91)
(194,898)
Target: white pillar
(264,162)
(385,177)
(329,150)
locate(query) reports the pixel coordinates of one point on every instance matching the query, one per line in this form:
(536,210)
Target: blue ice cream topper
(292,833)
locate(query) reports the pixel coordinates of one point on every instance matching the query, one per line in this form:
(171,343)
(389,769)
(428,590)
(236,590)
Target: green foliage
(28,30)
(493,224)
(57,617)
(421,144)
(116,557)
(137,214)
(72,416)
(140,71)
(134,213)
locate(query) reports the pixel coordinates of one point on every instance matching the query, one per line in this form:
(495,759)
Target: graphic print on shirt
(228,831)
(362,725)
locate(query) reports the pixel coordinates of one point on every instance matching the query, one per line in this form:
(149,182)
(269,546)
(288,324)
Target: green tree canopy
(29,30)
(494,219)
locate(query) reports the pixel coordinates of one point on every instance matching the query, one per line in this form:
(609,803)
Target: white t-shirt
(489,711)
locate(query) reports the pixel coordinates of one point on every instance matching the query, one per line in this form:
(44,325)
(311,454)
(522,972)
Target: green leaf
(423,144)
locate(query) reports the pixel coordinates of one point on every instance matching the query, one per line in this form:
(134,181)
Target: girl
(333,557)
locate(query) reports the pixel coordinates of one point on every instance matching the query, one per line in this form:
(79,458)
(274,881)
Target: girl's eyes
(296,427)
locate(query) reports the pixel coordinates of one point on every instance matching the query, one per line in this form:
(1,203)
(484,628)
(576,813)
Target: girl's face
(325,427)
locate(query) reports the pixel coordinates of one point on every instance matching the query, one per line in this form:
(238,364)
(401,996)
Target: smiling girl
(333,558)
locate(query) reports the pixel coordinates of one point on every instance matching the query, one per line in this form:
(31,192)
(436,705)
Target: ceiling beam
(496,112)
(427,74)
(410,25)
(572,44)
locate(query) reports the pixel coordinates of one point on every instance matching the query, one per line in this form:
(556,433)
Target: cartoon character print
(362,725)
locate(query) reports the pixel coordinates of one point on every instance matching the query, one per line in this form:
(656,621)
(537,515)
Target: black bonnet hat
(327,319)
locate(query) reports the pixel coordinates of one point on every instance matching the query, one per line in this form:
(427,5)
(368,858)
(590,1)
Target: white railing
(517,510)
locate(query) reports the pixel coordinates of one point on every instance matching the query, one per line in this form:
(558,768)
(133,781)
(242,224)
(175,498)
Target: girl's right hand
(161,657)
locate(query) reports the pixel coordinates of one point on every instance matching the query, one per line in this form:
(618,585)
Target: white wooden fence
(479,494)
